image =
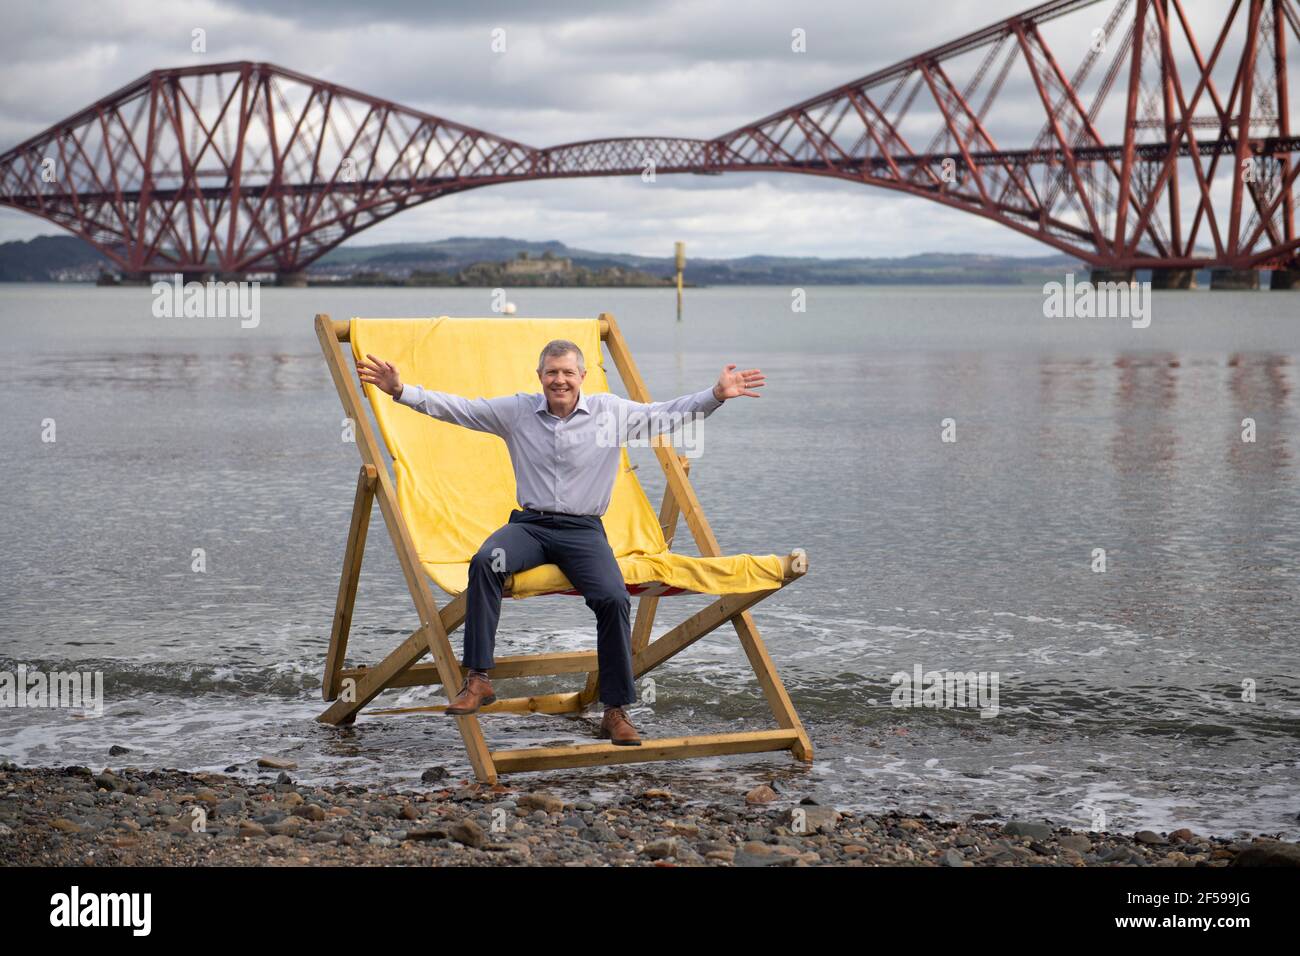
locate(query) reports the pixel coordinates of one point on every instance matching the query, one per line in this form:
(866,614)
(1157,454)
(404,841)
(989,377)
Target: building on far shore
(548,264)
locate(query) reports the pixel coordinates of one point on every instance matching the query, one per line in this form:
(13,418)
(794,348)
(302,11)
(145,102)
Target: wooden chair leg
(679,485)
(431,633)
(356,546)
(777,698)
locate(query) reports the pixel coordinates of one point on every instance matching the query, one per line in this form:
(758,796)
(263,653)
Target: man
(565,448)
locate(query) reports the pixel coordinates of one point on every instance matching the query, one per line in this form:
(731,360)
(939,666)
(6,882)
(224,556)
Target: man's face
(561,378)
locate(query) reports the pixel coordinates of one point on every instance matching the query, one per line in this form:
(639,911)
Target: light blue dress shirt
(562,464)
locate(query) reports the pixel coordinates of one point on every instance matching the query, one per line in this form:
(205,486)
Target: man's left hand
(732,383)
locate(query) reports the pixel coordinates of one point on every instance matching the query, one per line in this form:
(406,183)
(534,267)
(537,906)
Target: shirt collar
(541,404)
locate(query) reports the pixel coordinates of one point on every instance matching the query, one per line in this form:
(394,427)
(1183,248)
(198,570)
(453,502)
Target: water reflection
(146,370)
(1261,387)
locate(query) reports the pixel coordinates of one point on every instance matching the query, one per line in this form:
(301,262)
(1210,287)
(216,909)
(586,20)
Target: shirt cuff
(710,401)
(412,395)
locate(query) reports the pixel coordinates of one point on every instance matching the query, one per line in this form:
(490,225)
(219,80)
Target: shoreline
(77,816)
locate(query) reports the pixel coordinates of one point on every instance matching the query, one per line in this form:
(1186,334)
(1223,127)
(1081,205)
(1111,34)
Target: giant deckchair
(455,486)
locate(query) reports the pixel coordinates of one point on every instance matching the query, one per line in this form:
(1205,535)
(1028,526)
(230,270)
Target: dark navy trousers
(577,543)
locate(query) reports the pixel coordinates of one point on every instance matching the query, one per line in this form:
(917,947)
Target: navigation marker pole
(680,248)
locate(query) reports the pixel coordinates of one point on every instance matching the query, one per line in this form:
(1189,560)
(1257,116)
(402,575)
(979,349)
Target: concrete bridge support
(1234,280)
(1173,278)
(1100,274)
(1285,280)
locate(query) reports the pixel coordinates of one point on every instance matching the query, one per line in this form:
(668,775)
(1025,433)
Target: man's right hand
(383,375)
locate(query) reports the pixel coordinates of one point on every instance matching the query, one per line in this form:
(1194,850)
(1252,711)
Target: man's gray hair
(557,348)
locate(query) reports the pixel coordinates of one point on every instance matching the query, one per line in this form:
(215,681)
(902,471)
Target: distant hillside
(67,258)
(50,259)
(460,252)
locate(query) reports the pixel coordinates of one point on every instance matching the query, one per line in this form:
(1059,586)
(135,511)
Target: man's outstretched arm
(653,418)
(492,415)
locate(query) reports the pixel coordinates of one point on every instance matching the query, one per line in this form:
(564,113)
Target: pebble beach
(79,816)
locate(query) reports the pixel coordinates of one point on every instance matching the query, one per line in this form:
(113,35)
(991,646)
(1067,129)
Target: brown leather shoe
(476,693)
(618,728)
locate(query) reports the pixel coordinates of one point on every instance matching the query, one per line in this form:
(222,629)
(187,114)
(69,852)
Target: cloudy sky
(572,71)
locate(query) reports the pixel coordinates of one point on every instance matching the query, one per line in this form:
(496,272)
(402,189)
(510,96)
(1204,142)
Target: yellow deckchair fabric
(455,486)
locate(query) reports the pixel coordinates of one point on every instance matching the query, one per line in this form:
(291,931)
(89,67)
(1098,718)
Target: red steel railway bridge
(1132,134)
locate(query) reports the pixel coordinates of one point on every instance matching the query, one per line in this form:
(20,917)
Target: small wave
(186,678)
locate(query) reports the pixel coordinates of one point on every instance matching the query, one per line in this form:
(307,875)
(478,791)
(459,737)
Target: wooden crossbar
(341,329)
(668,748)
(537,704)
(523,665)
(350,689)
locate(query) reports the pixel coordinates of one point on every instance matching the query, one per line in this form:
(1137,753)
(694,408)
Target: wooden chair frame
(351,689)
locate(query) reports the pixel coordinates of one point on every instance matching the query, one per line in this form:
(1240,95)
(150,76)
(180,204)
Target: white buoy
(509,308)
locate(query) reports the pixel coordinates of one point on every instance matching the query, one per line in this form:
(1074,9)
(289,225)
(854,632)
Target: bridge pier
(1173,278)
(1234,280)
(1102,274)
(1285,279)
(291,280)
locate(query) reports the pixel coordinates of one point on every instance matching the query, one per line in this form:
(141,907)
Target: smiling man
(565,464)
